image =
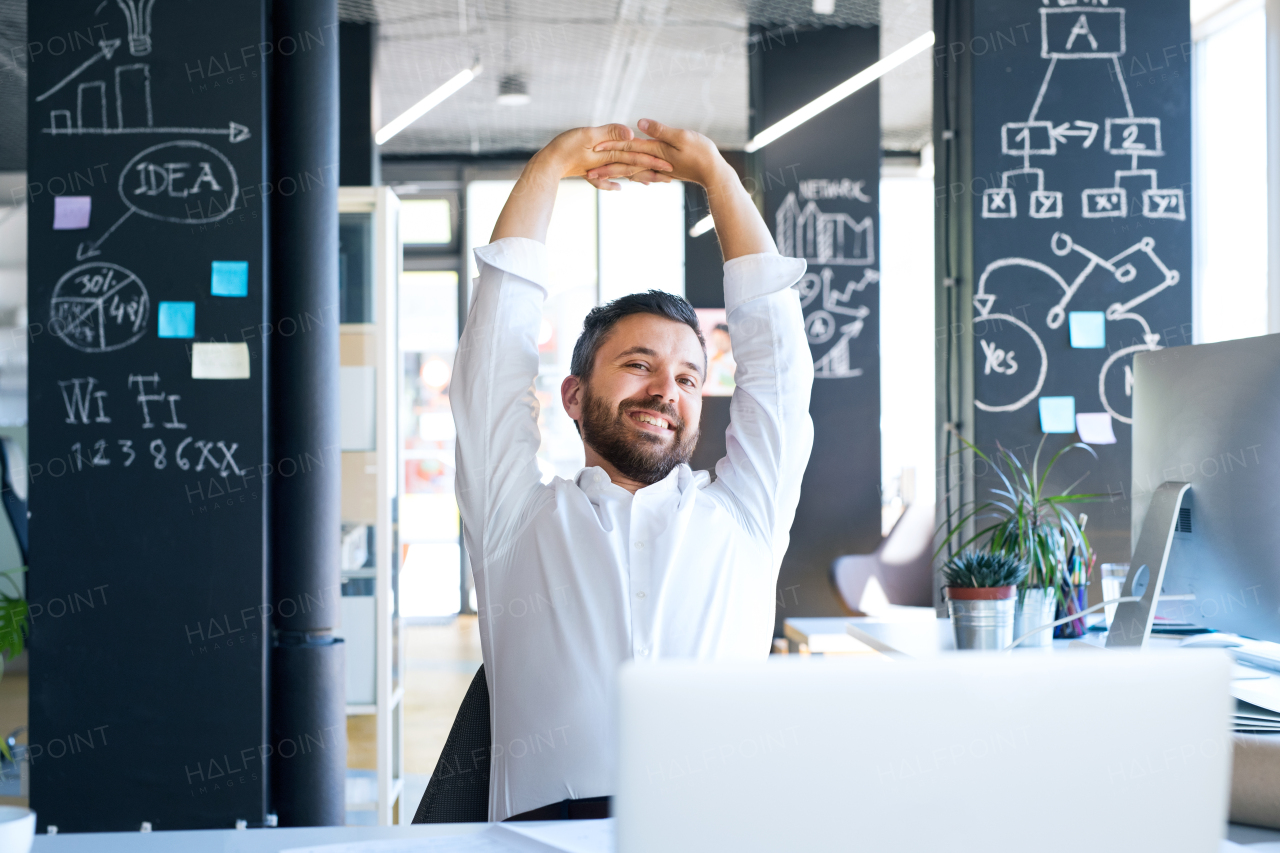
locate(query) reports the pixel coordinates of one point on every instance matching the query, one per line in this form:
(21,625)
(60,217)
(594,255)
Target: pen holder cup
(17,829)
(1036,606)
(981,618)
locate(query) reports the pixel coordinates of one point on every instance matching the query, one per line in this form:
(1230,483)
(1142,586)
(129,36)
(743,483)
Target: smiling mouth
(653,420)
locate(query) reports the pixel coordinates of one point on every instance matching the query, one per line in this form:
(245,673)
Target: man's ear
(571,397)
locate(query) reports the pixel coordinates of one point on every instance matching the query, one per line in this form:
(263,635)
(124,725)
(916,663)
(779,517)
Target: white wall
(1229,189)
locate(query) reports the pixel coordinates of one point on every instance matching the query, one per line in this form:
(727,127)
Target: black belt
(587,808)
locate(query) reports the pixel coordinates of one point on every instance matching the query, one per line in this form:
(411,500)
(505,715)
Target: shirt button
(639,546)
(639,595)
(644,653)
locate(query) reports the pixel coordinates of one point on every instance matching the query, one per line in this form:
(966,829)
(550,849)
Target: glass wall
(428,520)
(641,239)
(572,265)
(907,432)
(429,512)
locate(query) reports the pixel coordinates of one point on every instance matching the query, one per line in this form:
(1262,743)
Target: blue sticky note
(1088,329)
(71,212)
(230,278)
(1058,414)
(177,319)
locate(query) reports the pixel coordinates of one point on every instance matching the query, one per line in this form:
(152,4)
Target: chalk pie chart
(99,307)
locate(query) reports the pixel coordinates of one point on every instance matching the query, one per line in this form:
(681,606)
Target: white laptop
(981,752)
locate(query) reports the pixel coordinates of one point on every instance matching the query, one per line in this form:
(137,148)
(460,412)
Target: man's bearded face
(645,453)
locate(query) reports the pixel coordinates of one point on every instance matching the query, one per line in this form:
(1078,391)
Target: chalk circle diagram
(987,324)
(99,307)
(170,182)
(151,186)
(1107,372)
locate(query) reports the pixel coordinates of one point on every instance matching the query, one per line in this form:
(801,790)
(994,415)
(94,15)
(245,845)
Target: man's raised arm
(491,391)
(770,432)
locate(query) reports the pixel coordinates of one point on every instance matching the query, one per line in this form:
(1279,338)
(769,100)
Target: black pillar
(307,685)
(1063,139)
(821,189)
(358,165)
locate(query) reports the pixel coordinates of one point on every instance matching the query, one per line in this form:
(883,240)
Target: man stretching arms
(638,557)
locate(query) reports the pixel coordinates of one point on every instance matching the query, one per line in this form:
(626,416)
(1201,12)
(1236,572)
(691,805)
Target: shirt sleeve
(492,393)
(770,432)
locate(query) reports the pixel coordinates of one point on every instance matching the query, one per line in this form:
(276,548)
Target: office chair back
(458,791)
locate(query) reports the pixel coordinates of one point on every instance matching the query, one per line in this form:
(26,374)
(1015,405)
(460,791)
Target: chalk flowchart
(1077,33)
(1006,363)
(829,241)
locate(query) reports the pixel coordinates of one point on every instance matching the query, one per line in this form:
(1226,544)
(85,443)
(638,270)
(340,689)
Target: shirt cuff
(752,276)
(518,256)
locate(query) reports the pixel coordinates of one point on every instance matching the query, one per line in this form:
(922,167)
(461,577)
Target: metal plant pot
(981,618)
(1036,606)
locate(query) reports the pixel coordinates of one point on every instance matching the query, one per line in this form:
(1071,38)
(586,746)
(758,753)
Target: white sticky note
(1095,428)
(220,361)
(1058,414)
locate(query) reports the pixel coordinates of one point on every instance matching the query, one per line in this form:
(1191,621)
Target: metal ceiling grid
(681,62)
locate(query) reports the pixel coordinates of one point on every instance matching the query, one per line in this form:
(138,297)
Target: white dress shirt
(576,576)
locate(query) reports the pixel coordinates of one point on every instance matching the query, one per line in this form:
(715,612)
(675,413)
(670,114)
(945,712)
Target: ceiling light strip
(868,75)
(428,103)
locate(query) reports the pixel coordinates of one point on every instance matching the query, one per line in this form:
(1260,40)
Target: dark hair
(598,324)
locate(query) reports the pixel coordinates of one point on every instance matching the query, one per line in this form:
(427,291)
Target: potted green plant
(980,590)
(1024,520)
(13,628)
(17,825)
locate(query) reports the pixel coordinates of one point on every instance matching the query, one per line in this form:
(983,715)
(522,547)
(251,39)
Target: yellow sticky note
(220,361)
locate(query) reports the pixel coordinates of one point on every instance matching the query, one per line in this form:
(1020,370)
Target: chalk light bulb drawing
(138,15)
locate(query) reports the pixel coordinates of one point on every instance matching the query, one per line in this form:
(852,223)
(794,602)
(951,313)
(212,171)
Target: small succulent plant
(983,570)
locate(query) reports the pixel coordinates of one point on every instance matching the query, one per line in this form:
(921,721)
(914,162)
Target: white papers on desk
(569,836)
(1252,718)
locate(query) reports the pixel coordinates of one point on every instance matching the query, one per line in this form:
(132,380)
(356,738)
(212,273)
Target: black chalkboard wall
(821,186)
(1081,211)
(147,576)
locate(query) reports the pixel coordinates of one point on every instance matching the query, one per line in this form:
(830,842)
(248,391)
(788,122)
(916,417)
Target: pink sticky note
(71,212)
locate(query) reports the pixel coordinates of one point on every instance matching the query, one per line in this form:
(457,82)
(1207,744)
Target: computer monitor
(1209,415)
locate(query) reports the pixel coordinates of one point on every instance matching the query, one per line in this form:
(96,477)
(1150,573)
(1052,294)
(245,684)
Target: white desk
(237,841)
(906,631)
(275,840)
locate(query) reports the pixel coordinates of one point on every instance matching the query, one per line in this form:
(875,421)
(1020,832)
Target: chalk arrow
(983,302)
(1152,339)
(106,47)
(88,250)
(238,133)
(1086,129)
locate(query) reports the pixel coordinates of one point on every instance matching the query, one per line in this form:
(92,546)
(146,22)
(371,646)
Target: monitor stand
(1131,625)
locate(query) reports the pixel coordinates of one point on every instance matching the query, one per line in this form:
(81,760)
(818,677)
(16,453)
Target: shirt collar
(595,480)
